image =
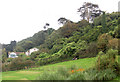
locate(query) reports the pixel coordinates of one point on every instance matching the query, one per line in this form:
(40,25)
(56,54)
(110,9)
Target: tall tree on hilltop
(89,11)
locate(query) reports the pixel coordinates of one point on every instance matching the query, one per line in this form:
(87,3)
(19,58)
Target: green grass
(31,74)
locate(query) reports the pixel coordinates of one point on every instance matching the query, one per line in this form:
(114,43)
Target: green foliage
(36,40)
(49,42)
(93,74)
(22,55)
(68,29)
(42,55)
(83,23)
(73,67)
(76,76)
(4,55)
(55,49)
(9,47)
(63,71)
(9,59)
(104,28)
(108,61)
(80,47)
(97,21)
(90,34)
(34,55)
(17,64)
(50,76)
(103,42)
(90,74)
(19,49)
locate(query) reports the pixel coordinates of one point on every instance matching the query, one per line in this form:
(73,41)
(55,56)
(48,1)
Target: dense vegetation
(81,40)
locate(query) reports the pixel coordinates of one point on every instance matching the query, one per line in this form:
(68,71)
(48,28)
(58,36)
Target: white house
(30,51)
(12,55)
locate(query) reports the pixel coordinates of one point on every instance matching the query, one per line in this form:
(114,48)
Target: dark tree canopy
(62,20)
(46,25)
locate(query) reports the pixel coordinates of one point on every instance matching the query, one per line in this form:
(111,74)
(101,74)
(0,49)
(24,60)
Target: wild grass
(31,74)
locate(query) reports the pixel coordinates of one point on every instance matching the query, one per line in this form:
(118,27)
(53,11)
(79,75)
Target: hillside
(94,45)
(81,40)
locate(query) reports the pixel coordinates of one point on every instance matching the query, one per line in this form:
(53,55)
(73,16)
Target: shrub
(93,74)
(5,67)
(113,43)
(103,42)
(9,59)
(50,76)
(27,58)
(22,55)
(42,55)
(34,55)
(108,61)
(18,64)
(76,76)
(92,50)
(63,71)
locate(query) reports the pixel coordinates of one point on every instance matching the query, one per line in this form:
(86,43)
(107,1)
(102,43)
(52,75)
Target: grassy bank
(31,74)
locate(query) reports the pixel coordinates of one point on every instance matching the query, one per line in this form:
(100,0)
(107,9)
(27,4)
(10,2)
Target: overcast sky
(20,19)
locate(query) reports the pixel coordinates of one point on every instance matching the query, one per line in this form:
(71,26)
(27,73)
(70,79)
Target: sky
(20,19)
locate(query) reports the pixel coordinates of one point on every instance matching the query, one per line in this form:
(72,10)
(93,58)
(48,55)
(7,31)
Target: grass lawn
(31,74)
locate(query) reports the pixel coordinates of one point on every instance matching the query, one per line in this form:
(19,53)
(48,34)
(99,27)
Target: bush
(63,71)
(92,50)
(76,76)
(90,74)
(9,59)
(5,67)
(61,74)
(50,76)
(108,61)
(103,42)
(43,55)
(22,55)
(93,74)
(17,64)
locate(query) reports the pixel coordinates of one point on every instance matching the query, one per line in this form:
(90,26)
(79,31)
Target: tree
(4,55)
(113,43)
(103,22)
(13,44)
(68,29)
(46,25)
(89,11)
(103,42)
(62,20)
